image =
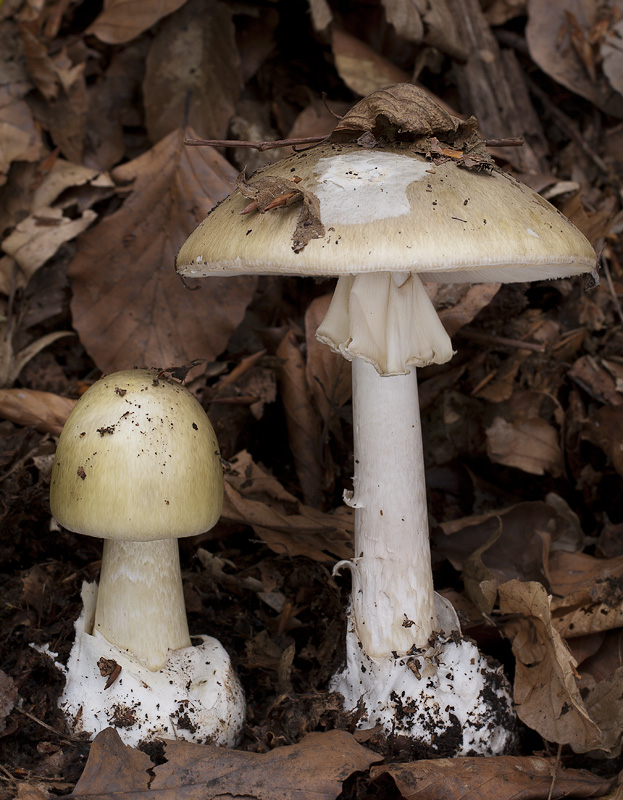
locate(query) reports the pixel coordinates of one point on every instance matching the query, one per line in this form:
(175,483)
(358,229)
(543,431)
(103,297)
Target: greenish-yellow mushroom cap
(137,460)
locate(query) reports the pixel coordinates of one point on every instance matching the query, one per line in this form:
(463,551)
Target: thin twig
(566,125)
(555,773)
(502,341)
(45,725)
(511,141)
(261,146)
(613,293)
(240,369)
(9,777)
(330,110)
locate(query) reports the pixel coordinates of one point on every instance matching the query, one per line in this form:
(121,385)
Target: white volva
(195,695)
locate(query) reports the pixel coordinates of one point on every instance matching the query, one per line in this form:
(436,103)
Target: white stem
(392,602)
(140,601)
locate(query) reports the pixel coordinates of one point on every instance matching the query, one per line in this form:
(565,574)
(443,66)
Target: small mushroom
(138,465)
(391,199)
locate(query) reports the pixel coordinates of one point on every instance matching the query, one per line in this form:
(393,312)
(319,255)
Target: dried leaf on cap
(270,193)
(404,113)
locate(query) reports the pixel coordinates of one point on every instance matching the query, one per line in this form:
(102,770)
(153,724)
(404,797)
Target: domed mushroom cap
(388,209)
(138,460)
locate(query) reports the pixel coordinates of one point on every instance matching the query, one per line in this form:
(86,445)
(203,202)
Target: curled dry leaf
(515,542)
(496,778)
(269,193)
(129,306)
(546,695)
(405,113)
(39,236)
(590,593)
(403,109)
(527,444)
(124,20)
(44,411)
(253,497)
(65,176)
(11,362)
(313,769)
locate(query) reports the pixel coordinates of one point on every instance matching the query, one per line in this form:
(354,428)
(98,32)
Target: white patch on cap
(365,187)
(533,233)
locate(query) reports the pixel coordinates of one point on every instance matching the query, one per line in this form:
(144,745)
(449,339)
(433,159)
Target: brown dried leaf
(430,21)
(604,703)
(594,225)
(45,411)
(550,34)
(40,67)
(546,695)
(253,497)
(496,778)
(407,108)
(112,105)
(201,82)
(512,543)
(472,298)
(607,660)
(590,593)
(328,374)
(313,769)
(124,20)
(64,176)
(361,68)
(38,237)
(597,381)
(604,428)
(12,362)
(129,306)
(301,419)
(406,17)
(612,55)
(270,193)
(62,81)
(527,444)
(21,140)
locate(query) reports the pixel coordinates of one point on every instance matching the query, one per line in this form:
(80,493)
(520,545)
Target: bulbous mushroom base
(448,698)
(196,696)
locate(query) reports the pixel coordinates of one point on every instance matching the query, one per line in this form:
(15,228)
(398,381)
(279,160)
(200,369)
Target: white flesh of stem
(140,602)
(392,596)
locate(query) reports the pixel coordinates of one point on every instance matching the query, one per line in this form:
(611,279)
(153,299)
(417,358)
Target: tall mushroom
(138,465)
(401,191)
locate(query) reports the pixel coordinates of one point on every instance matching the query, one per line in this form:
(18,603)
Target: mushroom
(138,465)
(401,192)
